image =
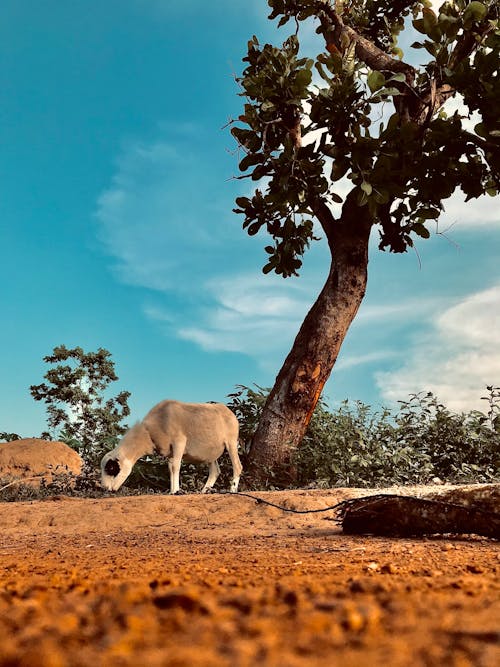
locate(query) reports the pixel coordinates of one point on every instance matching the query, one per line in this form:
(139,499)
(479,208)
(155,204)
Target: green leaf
(339,169)
(418,24)
(386,92)
(253,228)
(398,77)
(475,11)
(375,80)
(421,230)
(348,59)
(242,202)
(303,78)
(367,188)
(429,18)
(251,160)
(481,129)
(428,213)
(381,196)
(322,72)
(361,198)
(267,106)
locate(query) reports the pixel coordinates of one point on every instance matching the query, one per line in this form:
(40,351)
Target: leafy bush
(8,437)
(355,446)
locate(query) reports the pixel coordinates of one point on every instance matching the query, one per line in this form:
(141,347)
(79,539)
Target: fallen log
(403,516)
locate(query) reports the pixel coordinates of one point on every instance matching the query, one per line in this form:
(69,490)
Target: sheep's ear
(112,467)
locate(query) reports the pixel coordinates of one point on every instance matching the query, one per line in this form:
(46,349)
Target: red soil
(222,581)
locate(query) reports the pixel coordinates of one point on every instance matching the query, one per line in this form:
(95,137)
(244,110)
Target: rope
(261,501)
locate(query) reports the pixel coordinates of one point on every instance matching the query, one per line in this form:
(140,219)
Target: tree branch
(467,44)
(326,220)
(334,29)
(413,104)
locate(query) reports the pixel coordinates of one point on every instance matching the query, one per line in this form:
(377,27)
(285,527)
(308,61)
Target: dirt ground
(220,580)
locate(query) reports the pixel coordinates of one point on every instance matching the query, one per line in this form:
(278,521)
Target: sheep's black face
(112,467)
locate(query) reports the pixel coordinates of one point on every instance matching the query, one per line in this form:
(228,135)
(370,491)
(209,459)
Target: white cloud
(156,218)
(410,309)
(481,212)
(361,359)
(456,359)
(255,315)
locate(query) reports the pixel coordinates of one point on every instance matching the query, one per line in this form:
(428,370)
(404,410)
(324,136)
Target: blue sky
(117,229)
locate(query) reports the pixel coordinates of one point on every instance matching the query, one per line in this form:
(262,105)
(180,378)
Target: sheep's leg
(174,467)
(232,450)
(213,473)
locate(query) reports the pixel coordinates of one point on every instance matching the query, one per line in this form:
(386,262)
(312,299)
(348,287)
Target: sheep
(197,432)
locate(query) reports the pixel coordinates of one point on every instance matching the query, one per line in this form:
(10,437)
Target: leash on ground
(261,501)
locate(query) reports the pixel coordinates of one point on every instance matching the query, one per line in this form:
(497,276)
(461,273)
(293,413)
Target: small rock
(373,566)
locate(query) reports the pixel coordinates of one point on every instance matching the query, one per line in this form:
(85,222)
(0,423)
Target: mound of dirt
(32,460)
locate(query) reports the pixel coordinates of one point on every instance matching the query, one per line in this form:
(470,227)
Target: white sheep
(197,432)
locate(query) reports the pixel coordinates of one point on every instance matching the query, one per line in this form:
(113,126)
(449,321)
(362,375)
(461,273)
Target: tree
(76,407)
(300,139)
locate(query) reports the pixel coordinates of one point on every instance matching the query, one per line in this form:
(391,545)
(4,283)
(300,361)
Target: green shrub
(355,446)
(8,437)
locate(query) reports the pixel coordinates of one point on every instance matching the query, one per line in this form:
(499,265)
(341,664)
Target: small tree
(76,407)
(398,169)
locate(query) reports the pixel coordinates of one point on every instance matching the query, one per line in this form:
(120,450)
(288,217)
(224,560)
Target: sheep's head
(115,469)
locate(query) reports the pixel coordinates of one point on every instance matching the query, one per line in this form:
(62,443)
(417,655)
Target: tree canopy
(356,138)
(402,166)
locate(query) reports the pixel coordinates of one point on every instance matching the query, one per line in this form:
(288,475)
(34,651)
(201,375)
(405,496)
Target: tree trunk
(298,386)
